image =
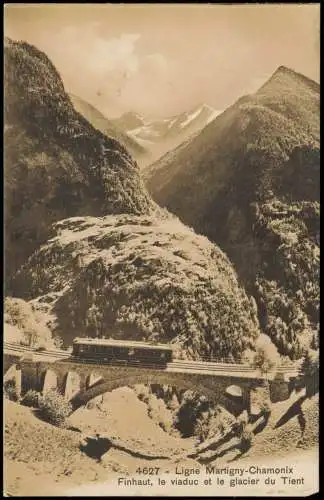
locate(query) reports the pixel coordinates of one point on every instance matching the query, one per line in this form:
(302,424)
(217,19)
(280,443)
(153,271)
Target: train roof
(122,343)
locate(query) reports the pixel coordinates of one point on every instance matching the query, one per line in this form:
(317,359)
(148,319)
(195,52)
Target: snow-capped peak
(213,115)
(191,117)
(161,133)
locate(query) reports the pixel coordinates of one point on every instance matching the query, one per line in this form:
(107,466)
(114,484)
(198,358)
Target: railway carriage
(122,351)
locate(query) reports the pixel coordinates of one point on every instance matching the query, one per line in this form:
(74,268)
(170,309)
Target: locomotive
(122,351)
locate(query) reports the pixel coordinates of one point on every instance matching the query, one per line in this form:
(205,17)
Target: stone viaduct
(80,382)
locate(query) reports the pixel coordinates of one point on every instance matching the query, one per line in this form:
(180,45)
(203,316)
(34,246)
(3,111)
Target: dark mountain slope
(56,163)
(107,127)
(250,182)
(253,137)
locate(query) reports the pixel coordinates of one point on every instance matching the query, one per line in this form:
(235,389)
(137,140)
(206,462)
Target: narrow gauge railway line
(235,370)
(211,366)
(25,349)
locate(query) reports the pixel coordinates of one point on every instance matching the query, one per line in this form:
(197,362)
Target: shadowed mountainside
(107,127)
(117,265)
(250,182)
(57,164)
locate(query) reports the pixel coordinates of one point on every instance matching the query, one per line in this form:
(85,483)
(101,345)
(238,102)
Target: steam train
(121,352)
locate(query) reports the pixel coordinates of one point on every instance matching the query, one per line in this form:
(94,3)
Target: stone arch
(235,399)
(49,381)
(93,379)
(163,378)
(234,391)
(72,384)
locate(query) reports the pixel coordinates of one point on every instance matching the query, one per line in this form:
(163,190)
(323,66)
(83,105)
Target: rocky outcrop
(142,278)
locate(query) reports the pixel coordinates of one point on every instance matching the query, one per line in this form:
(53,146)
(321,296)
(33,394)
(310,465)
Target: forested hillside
(250,182)
(116,264)
(108,127)
(56,163)
(142,278)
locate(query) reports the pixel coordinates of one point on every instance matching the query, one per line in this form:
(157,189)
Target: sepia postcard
(162,248)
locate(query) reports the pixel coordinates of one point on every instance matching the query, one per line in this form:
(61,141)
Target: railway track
(27,350)
(175,365)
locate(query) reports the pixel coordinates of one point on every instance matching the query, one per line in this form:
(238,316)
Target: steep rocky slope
(250,182)
(108,127)
(140,277)
(56,163)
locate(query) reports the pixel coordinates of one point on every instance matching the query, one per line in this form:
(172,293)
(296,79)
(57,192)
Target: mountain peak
(129,120)
(284,69)
(203,106)
(285,76)
(45,124)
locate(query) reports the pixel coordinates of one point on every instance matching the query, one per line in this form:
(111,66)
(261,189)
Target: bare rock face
(140,277)
(57,165)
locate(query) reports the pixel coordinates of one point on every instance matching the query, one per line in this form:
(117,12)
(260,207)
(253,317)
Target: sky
(162,59)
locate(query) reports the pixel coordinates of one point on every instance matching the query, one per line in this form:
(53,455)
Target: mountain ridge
(106,126)
(164,134)
(59,164)
(90,250)
(285,70)
(261,151)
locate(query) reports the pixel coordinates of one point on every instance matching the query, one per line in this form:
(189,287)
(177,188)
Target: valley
(172,234)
